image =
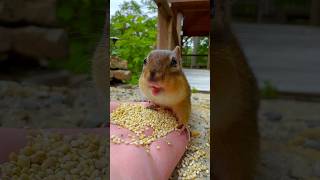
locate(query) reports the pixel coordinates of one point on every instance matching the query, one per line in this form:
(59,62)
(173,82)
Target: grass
(194,90)
(269,91)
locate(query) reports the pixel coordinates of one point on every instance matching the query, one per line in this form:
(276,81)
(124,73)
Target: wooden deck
(199,79)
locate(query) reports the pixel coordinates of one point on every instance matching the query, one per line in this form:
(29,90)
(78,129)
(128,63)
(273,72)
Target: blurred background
(280,39)
(133,32)
(46,47)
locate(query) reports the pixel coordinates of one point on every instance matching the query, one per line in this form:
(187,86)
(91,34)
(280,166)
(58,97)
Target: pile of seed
(193,164)
(56,156)
(137,118)
(200,127)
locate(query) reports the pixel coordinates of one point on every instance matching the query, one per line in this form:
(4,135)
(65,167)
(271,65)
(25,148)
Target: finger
(167,152)
(113,105)
(11,140)
(138,164)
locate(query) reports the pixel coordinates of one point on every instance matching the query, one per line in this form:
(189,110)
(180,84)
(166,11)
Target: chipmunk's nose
(153,76)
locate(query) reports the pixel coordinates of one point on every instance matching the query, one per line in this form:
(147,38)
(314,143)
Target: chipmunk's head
(162,73)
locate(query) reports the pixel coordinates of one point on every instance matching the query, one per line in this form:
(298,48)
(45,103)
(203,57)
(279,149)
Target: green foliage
(202,49)
(269,91)
(137,35)
(83,20)
(194,90)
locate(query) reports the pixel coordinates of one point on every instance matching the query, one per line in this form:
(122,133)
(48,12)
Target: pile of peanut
(53,156)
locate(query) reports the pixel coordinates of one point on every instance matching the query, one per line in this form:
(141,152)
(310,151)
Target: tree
(136,31)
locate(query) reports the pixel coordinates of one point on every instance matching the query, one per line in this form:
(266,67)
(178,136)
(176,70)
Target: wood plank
(196,24)
(194,5)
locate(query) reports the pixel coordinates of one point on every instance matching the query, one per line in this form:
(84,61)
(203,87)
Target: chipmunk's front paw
(153,106)
(182,128)
(141,100)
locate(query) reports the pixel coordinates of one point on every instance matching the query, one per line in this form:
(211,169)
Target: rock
(78,80)
(272,116)
(121,74)
(117,63)
(311,143)
(111,75)
(300,168)
(41,42)
(35,41)
(5,40)
(60,78)
(36,11)
(125,86)
(316,169)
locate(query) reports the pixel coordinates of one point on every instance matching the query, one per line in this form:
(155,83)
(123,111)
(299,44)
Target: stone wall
(30,28)
(119,69)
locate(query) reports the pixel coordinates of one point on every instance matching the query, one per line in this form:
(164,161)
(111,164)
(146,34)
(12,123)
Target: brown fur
(235,105)
(176,90)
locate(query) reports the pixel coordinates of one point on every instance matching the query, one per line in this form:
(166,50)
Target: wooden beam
(187,1)
(196,24)
(192,5)
(164,8)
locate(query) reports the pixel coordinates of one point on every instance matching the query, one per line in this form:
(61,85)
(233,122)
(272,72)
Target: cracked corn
(57,156)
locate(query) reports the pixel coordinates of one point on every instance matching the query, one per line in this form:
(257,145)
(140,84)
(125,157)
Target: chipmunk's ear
(177,51)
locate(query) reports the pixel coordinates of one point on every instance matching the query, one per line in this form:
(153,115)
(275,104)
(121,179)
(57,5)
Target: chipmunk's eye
(173,62)
(145,61)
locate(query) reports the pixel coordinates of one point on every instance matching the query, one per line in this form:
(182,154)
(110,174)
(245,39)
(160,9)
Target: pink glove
(132,162)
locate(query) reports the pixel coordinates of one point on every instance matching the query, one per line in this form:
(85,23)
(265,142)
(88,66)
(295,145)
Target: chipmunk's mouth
(155,88)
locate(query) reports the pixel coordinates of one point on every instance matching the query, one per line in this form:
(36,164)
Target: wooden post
(315,12)
(162,36)
(259,10)
(222,23)
(165,15)
(195,40)
(179,27)
(171,38)
(208,63)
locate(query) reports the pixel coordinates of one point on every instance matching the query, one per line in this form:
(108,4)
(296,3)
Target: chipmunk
(235,106)
(163,82)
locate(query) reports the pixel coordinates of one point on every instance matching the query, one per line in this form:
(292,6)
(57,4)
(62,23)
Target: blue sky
(114,6)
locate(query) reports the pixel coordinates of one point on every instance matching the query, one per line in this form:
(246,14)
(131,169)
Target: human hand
(132,162)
